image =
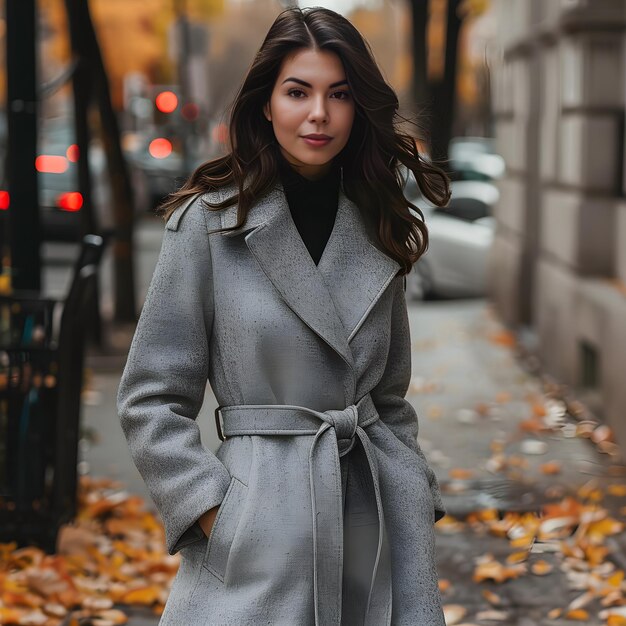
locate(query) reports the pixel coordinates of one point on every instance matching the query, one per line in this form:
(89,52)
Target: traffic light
(166,106)
(170,111)
(166,101)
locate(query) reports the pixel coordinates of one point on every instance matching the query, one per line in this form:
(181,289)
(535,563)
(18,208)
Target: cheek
(345,120)
(285,116)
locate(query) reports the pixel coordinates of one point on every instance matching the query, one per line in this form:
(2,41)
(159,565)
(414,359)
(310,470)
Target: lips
(320,137)
(316,141)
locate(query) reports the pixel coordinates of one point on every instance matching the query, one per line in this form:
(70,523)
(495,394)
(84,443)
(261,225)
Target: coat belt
(333,438)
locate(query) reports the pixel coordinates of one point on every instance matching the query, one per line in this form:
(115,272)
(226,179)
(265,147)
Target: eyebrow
(305,84)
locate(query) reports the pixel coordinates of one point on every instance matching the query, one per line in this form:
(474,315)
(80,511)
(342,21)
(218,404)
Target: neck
(310,172)
(316,172)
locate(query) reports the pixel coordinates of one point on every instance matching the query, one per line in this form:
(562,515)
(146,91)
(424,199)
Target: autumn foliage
(113,555)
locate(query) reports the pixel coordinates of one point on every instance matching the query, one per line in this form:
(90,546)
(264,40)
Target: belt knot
(344,422)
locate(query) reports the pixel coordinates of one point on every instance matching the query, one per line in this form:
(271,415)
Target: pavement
(502,441)
(495,430)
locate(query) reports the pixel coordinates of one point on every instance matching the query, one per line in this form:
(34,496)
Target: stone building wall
(558,264)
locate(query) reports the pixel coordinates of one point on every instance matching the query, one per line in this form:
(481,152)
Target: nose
(319,111)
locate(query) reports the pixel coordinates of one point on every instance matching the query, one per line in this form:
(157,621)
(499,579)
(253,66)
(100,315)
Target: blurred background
(127,98)
(517,114)
(106,106)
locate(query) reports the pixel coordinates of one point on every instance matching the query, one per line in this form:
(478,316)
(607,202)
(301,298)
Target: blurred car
(159,161)
(60,200)
(57,177)
(475,158)
(460,236)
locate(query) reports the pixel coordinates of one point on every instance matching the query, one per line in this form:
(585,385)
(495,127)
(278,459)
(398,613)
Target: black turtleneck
(313,204)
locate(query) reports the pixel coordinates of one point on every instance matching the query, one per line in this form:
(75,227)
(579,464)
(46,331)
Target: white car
(460,236)
(474,158)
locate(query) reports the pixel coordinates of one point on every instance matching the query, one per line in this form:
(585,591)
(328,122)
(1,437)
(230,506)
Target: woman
(281,280)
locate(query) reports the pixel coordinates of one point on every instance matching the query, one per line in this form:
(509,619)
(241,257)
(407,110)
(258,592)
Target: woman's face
(311,97)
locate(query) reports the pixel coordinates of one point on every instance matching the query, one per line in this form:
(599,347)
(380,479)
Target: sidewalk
(499,444)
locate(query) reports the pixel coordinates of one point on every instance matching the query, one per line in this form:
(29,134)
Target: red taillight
(72,153)
(51,164)
(160,148)
(70,201)
(166,101)
(4,200)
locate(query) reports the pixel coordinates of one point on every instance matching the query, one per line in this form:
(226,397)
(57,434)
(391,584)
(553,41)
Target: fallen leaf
(491,597)
(551,467)
(578,615)
(492,616)
(541,568)
(461,474)
(453,613)
(533,446)
(503,338)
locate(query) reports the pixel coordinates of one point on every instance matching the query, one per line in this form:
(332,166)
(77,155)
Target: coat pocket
(224,527)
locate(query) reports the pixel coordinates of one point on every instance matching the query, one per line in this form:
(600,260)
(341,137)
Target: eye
(292,91)
(343,95)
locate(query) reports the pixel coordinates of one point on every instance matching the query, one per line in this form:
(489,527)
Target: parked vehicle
(57,176)
(460,236)
(158,162)
(475,158)
(60,199)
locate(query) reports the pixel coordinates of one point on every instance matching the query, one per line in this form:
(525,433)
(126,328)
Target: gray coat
(327,503)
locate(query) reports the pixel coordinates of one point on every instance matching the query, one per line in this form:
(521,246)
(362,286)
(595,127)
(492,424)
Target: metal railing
(42,344)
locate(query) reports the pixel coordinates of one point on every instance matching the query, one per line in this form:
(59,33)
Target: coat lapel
(355,271)
(334,297)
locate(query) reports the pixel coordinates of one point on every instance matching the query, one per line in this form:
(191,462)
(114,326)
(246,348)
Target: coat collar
(334,297)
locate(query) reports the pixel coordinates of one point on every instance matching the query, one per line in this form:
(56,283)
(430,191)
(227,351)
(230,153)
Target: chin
(317,159)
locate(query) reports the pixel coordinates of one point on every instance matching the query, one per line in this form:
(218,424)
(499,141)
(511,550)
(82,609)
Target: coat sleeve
(396,412)
(162,387)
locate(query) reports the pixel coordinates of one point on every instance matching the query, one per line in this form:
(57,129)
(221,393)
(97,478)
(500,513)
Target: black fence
(41,376)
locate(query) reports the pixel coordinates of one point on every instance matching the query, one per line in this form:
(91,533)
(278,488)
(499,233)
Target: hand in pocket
(206,520)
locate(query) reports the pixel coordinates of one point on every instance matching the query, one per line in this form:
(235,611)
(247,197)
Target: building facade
(558,264)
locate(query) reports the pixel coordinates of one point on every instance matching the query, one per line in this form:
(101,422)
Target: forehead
(313,66)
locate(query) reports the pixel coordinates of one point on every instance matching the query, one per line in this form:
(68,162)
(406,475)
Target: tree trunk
(420,91)
(25,233)
(445,90)
(123,205)
(82,85)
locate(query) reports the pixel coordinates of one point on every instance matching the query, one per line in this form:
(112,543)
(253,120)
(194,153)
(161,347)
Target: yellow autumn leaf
(143,595)
(523,542)
(491,597)
(460,473)
(541,568)
(578,615)
(517,557)
(605,527)
(503,338)
(550,468)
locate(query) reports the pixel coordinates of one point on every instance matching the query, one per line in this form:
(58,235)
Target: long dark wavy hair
(372,160)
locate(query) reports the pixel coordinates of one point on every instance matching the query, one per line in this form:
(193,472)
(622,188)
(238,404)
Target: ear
(267,112)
